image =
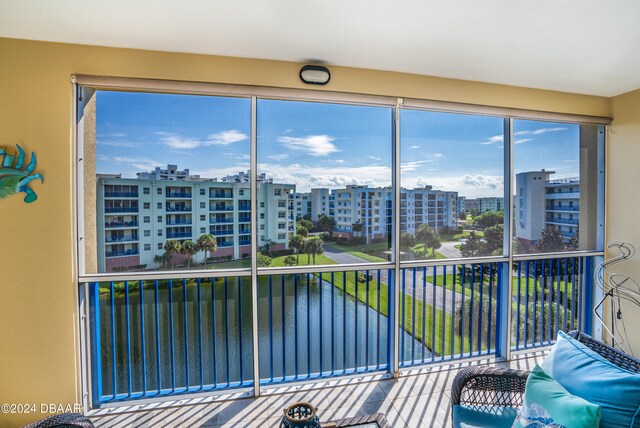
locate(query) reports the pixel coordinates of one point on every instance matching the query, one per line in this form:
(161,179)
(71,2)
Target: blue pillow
(548,404)
(483,416)
(587,374)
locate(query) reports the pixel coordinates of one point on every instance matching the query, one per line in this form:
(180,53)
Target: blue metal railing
(161,337)
(121,209)
(120,194)
(157,338)
(451,310)
(121,224)
(178,195)
(313,326)
(173,235)
(548,296)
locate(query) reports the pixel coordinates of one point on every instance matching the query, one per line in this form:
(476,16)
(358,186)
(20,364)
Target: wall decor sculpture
(14,178)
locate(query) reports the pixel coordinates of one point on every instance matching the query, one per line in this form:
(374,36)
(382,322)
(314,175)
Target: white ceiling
(582,46)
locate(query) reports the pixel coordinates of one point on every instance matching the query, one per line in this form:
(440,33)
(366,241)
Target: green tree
(494,239)
(326,223)
(407,242)
(297,243)
(188,248)
(473,246)
(357,228)
(267,248)
(462,215)
(429,237)
(208,244)
(574,243)
(306,223)
(550,240)
(263,260)
(290,261)
(171,247)
(160,260)
(490,218)
(302,231)
(314,246)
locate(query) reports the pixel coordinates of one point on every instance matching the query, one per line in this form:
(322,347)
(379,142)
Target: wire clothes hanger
(616,287)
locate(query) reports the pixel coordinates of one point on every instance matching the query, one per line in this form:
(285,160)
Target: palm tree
(315,246)
(297,243)
(171,247)
(208,244)
(189,249)
(429,237)
(160,260)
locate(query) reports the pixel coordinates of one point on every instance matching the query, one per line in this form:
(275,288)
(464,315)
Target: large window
(452,196)
(330,169)
(558,192)
(194,150)
(363,213)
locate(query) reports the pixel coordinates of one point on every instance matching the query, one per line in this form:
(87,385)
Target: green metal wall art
(14,178)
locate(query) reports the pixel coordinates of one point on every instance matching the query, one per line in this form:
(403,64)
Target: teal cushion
(547,403)
(586,374)
(483,416)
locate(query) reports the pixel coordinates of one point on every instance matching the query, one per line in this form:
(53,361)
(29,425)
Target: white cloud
(138,162)
(541,131)
(438,155)
(413,165)
(180,142)
(494,139)
(117,143)
(414,147)
(313,145)
(484,181)
(306,177)
(471,186)
(374,158)
(225,138)
(521,140)
(279,157)
(339,161)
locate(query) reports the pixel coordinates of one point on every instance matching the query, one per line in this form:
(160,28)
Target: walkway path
(424,291)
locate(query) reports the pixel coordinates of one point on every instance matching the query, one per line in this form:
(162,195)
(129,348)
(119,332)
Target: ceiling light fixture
(315,74)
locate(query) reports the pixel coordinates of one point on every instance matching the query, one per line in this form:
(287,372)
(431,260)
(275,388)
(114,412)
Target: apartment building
(482,205)
(136,216)
(540,201)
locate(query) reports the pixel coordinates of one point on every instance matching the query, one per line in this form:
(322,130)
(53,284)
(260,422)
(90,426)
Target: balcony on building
(178,219)
(220,206)
(178,193)
(121,250)
(177,207)
(120,191)
(220,193)
(119,206)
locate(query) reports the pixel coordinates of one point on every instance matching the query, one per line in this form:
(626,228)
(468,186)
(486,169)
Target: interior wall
(39,345)
(623,198)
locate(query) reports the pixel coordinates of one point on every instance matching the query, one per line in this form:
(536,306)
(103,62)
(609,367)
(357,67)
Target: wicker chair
(64,420)
(488,386)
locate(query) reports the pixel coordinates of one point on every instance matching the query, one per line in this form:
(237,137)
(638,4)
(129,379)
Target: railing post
(394,295)
(94,342)
(254,245)
(587,292)
(503,310)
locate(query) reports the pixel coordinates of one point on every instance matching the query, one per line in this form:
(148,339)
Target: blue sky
(321,145)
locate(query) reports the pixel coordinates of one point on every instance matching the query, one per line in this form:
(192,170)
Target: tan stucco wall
(623,197)
(38,315)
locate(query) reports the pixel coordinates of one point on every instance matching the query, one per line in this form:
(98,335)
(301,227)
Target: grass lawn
(419,249)
(346,282)
(525,284)
(378,246)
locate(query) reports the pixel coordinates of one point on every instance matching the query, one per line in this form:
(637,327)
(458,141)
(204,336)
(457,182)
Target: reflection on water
(305,327)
